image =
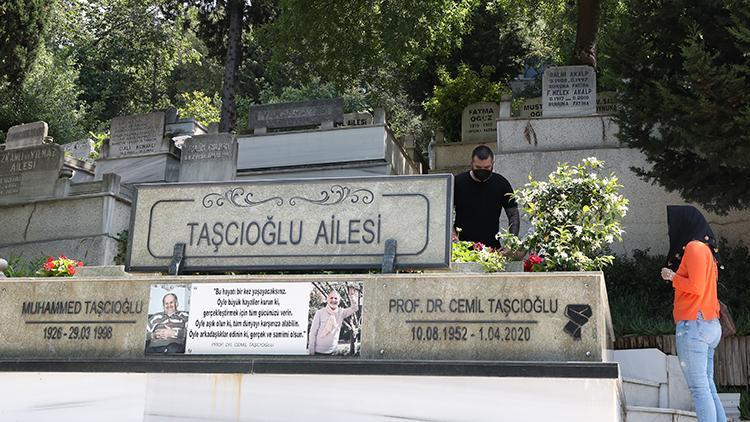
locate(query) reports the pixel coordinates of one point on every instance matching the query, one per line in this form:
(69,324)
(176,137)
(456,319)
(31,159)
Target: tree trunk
(587,32)
(235,12)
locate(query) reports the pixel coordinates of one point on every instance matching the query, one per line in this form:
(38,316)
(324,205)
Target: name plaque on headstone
(73,318)
(208,158)
(532,108)
(303,224)
(605,102)
(290,115)
(137,135)
(569,91)
(358,119)
(479,122)
(29,173)
(26,135)
(513,316)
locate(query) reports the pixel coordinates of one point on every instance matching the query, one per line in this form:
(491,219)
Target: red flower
(531,261)
(71,270)
(80,263)
(48,266)
(49,259)
(478,246)
(63,257)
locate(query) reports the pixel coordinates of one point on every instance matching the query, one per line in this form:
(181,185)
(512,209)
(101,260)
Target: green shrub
(449,99)
(18,267)
(575,216)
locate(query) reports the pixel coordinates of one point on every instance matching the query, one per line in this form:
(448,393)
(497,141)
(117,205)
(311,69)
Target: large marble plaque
(304,113)
(293,224)
(138,134)
(29,173)
(513,316)
(72,318)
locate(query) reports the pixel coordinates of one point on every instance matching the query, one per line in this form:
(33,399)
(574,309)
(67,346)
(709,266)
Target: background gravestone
(479,122)
(531,108)
(358,119)
(29,173)
(26,135)
(569,91)
(605,102)
(139,151)
(323,113)
(80,149)
(137,135)
(209,158)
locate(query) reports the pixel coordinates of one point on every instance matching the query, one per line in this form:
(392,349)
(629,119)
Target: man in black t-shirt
(480,196)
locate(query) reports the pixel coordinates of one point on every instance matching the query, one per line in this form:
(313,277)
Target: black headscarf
(686,223)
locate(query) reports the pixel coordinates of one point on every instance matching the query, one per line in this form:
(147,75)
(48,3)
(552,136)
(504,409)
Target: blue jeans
(696,341)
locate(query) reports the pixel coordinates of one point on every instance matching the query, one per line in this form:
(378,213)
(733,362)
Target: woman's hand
(667,274)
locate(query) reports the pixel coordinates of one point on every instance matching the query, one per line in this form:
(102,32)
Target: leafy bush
(202,108)
(575,215)
(18,267)
(449,99)
(465,251)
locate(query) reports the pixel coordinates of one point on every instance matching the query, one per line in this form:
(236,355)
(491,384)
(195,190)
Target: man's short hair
(169,294)
(482,152)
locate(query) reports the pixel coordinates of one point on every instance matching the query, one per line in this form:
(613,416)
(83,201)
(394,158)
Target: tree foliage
(686,97)
(454,94)
(21,33)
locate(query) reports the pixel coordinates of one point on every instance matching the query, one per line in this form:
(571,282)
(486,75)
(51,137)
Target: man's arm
(514,220)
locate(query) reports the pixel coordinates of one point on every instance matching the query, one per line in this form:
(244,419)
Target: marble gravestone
(293,224)
(139,151)
(358,119)
(606,102)
(479,122)
(323,113)
(569,91)
(26,135)
(509,316)
(208,158)
(29,173)
(532,108)
(80,149)
(137,135)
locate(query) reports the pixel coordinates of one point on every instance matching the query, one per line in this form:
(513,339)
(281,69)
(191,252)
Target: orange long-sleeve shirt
(695,284)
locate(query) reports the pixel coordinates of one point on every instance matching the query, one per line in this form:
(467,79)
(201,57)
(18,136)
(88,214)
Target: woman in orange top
(693,253)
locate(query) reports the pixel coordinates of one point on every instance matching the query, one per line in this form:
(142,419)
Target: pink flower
(80,263)
(478,246)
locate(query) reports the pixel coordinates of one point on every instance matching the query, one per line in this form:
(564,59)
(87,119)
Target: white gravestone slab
(569,91)
(303,224)
(136,135)
(80,149)
(26,135)
(478,122)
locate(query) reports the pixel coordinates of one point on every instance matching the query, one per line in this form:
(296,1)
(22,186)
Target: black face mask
(482,175)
